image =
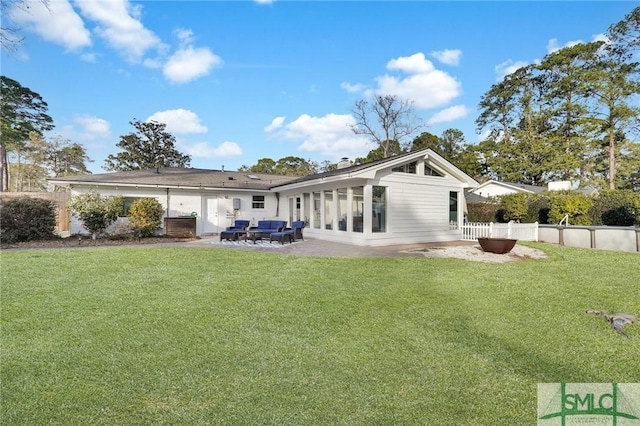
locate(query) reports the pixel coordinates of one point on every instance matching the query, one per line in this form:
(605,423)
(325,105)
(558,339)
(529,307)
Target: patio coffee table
(253,236)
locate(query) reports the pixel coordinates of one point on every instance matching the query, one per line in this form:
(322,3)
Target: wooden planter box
(180,227)
(497,245)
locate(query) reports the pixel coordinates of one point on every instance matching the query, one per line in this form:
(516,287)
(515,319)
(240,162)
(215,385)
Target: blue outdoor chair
(234,232)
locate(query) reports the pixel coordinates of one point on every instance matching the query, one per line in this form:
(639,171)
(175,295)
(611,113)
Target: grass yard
(160,335)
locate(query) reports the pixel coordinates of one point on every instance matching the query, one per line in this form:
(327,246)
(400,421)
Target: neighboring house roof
(204,178)
(472,198)
(513,186)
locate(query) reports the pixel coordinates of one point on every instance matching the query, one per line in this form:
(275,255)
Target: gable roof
(219,179)
(367,170)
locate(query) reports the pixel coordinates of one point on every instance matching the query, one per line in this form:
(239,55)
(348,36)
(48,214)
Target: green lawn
(158,335)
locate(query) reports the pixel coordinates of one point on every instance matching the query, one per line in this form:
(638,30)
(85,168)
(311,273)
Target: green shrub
(576,205)
(482,212)
(514,206)
(616,208)
(537,208)
(145,216)
(27,219)
(95,211)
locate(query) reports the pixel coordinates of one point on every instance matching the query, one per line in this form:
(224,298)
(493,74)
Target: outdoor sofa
(265,228)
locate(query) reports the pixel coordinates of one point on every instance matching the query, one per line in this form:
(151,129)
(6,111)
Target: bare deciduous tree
(386,120)
(10,37)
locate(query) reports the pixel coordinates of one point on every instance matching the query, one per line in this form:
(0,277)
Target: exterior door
(218,214)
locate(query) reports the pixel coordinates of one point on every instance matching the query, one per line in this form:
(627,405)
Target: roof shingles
(181,177)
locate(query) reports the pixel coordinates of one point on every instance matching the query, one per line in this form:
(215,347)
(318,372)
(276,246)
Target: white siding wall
(417,211)
(183,202)
(493,190)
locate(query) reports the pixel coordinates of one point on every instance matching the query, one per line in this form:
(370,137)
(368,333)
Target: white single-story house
(415,197)
(494,188)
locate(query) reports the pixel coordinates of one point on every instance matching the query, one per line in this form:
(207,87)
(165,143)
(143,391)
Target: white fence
(471,231)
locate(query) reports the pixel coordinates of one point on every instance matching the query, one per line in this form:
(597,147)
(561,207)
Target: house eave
(76,184)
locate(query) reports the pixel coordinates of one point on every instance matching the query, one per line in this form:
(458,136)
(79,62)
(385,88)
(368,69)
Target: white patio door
(218,214)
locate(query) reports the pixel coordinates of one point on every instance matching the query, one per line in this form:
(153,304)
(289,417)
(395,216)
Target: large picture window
(453,209)
(379,209)
(406,168)
(328,209)
(306,204)
(428,171)
(316,210)
(342,209)
(357,208)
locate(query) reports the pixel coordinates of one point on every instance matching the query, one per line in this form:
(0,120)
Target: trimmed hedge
(27,219)
(609,207)
(574,204)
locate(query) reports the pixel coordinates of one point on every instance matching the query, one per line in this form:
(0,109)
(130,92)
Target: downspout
(168,203)
(277,204)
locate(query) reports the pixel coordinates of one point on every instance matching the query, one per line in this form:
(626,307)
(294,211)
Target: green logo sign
(563,404)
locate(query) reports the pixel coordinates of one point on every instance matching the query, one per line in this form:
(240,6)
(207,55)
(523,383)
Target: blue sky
(237,81)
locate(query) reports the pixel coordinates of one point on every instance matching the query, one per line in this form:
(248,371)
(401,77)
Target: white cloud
(425,86)
(264,1)
(276,124)
(430,90)
(119,24)
(179,121)
(88,57)
(184,35)
(330,135)
(448,56)
(353,88)
(204,150)
(56,22)
(189,63)
(87,129)
(449,114)
(507,67)
(91,127)
(553,46)
(413,64)
(600,37)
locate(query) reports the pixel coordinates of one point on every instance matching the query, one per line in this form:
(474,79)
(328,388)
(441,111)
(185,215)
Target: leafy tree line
(573,116)
(287,166)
